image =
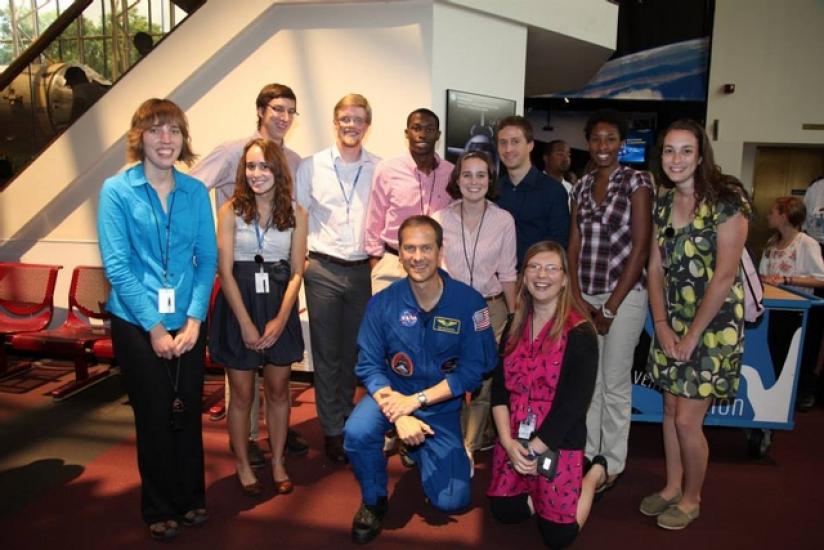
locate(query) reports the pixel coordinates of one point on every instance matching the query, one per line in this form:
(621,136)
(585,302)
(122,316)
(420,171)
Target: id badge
(527,426)
(262,283)
(166,300)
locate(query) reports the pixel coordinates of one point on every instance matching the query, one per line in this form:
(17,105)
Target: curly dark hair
(283,213)
(454,189)
(607,116)
(711,185)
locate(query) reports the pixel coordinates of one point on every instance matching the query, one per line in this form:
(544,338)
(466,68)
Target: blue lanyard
(164,259)
(260,236)
(347,200)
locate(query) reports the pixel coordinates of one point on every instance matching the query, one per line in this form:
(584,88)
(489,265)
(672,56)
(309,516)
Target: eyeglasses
(354,121)
(551,269)
(281,110)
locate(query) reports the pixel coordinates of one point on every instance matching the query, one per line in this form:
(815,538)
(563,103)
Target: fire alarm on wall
(729,88)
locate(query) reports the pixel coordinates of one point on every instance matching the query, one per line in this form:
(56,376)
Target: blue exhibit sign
(764,400)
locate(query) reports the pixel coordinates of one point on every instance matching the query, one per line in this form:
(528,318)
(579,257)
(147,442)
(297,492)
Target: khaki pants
(476,420)
(386,271)
(609,412)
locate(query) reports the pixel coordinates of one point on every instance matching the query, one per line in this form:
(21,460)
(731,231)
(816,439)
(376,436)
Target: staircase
(58,58)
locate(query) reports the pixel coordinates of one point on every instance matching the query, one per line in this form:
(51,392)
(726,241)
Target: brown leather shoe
(284,486)
(333,445)
(252,489)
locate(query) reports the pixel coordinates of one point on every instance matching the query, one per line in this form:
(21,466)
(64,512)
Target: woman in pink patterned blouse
(540,396)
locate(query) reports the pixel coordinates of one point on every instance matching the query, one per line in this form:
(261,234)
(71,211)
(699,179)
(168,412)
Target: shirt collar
(529,180)
(409,298)
(137,177)
(364,154)
(410,162)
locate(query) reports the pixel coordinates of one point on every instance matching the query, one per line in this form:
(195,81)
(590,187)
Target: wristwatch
(606,312)
(422,400)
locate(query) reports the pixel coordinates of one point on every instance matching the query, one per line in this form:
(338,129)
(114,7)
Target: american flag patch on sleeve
(481,319)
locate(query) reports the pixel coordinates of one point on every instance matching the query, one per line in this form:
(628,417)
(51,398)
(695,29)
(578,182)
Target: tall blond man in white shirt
(334,187)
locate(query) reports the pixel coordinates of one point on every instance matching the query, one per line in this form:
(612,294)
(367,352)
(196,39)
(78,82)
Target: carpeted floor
(68,479)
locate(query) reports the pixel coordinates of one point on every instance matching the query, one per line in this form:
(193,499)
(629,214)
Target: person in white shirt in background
(793,259)
(557,160)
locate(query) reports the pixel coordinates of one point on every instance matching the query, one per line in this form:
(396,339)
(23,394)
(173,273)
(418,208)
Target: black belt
(390,249)
(337,261)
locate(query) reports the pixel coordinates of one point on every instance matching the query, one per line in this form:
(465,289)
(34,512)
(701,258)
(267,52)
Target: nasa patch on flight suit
(445,324)
(409,318)
(402,364)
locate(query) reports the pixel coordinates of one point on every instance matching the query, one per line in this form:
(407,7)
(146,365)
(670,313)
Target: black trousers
(516,510)
(336,298)
(170,462)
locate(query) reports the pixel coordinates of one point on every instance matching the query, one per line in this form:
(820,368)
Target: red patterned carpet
(68,479)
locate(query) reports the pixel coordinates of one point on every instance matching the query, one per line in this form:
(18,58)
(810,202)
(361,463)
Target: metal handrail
(22,61)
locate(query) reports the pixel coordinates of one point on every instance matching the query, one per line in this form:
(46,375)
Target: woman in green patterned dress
(696,299)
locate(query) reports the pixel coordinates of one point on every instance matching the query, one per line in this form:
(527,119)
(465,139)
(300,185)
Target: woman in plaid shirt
(609,242)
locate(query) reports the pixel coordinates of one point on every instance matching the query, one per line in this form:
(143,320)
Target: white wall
(774,54)
(478,53)
(592,21)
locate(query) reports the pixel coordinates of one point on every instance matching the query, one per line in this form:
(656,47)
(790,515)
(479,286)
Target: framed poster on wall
(471,122)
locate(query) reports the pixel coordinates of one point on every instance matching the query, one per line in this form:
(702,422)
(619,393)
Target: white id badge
(262,283)
(166,300)
(527,426)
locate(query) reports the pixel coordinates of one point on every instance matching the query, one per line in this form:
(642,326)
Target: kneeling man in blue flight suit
(424,342)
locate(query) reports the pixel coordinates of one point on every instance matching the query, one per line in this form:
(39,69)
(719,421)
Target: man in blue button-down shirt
(424,341)
(538,202)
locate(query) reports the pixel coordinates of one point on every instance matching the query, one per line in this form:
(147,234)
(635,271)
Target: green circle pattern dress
(688,255)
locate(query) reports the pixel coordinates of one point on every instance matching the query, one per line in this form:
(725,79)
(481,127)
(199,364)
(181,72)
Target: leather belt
(391,250)
(337,261)
(495,298)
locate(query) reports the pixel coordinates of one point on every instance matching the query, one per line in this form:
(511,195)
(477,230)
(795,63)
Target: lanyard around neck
(471,265)
(431,191)
(164,258)
(347,200)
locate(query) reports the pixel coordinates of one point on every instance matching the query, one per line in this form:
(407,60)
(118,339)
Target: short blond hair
(353,100)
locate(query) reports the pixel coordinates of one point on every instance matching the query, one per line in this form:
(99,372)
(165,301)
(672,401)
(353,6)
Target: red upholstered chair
(103,349)
(74,339)
(26,303)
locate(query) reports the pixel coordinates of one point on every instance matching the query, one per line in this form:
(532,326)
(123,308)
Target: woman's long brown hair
(283,214)
(711,185)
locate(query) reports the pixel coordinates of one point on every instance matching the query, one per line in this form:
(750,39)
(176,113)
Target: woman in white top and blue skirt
(261,250)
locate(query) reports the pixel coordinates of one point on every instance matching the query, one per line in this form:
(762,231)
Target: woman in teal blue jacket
(157,242)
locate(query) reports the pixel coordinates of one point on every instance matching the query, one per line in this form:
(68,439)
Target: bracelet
(606,312)
(660,321)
